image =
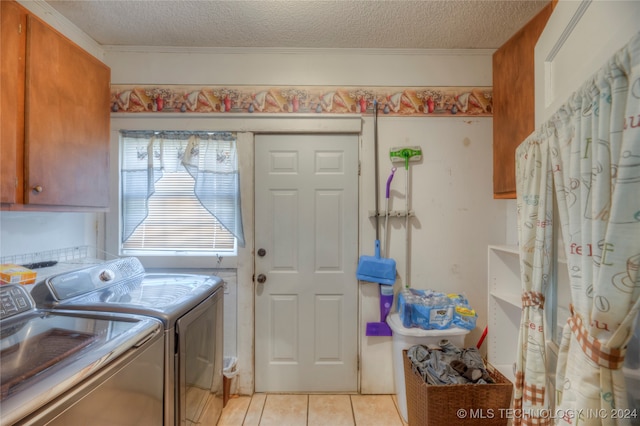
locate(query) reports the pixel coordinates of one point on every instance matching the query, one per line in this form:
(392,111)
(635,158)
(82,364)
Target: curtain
(595,153)
(591,147)
(535,215)
(138,177)
(209,157)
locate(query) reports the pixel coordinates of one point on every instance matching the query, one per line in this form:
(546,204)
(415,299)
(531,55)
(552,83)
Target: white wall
(34,232)
(299,66)
(579,38)
(456,218)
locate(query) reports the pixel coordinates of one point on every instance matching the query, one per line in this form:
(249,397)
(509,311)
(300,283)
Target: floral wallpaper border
(398,101)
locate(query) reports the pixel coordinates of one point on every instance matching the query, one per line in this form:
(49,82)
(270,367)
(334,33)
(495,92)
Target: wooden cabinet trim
(13,47)
(514,100)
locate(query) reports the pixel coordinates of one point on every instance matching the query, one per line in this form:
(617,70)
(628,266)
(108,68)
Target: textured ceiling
(427,24)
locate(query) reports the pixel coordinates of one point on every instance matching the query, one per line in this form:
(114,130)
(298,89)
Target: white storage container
(404,338)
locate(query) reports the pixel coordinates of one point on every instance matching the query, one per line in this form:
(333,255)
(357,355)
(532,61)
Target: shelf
(506,249)
(510,298)
(631,373)
(507,371)
(68,259)
(504,308)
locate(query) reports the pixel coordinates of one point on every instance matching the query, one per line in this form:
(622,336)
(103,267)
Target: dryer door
(200,358)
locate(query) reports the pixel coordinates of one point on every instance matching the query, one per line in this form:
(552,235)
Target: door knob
(262,252)
(37,189)
(262,278)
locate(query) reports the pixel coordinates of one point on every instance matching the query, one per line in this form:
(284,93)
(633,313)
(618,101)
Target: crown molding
(298,51)
(48,14)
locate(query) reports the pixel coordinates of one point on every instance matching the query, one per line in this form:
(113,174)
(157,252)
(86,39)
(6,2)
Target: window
(179,193)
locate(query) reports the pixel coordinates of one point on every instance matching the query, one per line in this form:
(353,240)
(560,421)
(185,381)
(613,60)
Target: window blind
(162,212)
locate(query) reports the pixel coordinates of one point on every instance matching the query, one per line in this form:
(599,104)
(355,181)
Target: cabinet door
(514,101)
(12,66)
(67,122)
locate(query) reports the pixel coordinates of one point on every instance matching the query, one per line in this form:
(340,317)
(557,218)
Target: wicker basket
(469,404)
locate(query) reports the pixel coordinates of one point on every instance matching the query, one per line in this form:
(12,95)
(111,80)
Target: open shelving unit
(505,307)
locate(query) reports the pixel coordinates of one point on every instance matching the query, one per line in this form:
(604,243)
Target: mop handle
(393,171)
(386,219)
(375,146)
(406,223)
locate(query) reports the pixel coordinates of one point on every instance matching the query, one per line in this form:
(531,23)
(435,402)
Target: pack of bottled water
(432,310)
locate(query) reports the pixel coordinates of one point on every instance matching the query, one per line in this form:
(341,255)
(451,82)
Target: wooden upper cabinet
(60,110)
(514,100)
(67,122)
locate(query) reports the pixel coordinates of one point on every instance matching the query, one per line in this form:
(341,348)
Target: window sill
(188,262)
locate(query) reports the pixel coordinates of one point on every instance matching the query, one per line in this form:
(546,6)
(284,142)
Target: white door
(306,222)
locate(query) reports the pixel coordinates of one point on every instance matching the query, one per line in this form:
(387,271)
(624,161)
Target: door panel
(284,205)
(67,122)
(284,328)
(306,221)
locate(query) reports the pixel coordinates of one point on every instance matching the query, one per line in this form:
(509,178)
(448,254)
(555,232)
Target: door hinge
(19,28)
(359,167)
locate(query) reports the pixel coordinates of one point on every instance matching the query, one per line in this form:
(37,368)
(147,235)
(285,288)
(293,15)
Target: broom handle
(406,224)
(386,213)
(375,143)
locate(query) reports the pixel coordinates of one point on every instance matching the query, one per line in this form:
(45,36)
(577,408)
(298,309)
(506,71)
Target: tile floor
(310,410)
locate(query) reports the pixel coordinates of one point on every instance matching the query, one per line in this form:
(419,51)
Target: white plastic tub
(404,338)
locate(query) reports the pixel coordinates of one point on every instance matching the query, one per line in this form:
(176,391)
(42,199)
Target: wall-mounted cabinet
(514,100)
(55,120)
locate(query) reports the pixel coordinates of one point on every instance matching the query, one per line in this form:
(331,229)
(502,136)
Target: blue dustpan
(376,269)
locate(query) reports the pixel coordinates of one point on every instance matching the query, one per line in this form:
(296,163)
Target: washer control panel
(14,300)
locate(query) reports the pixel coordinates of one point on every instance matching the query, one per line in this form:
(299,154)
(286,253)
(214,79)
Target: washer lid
(45,353)
(395,323)
(123,286)
(163,291)
(163,296)
(85,280)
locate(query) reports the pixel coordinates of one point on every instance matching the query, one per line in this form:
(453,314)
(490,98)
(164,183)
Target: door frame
(246,256)
(309,143)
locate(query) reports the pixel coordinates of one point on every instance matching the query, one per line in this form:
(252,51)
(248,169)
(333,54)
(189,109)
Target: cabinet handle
(37,189)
